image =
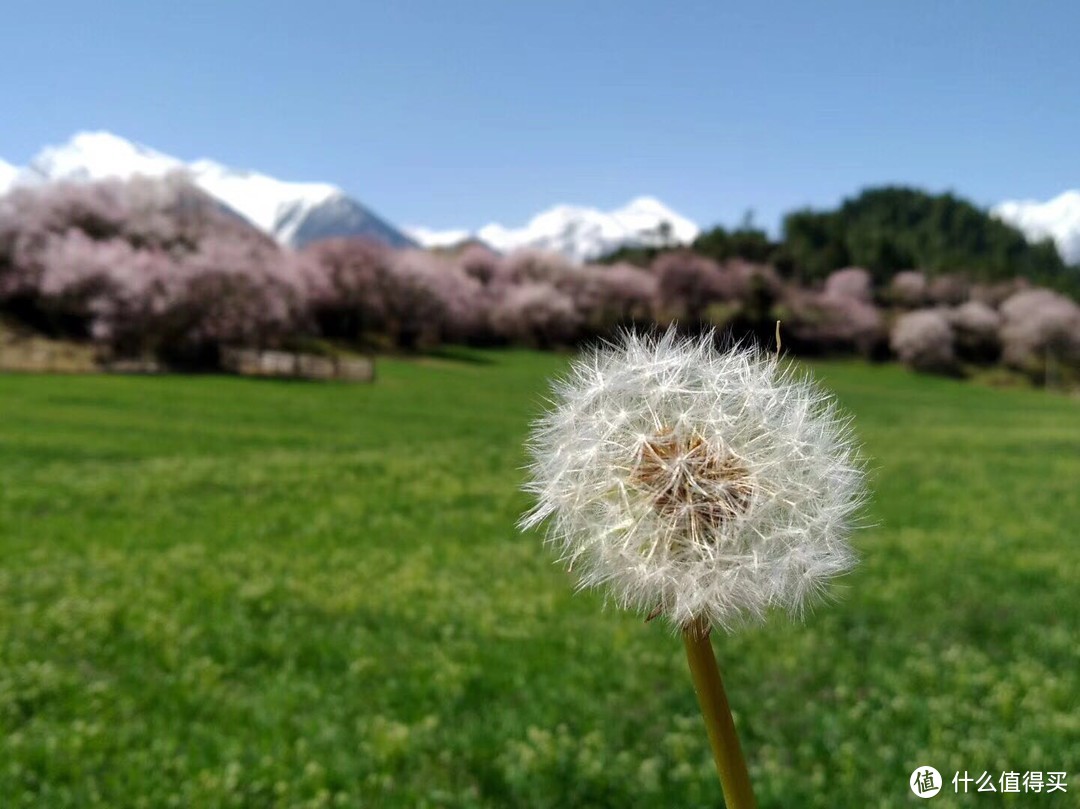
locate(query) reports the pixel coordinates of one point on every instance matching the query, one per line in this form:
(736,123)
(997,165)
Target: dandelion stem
(727,753)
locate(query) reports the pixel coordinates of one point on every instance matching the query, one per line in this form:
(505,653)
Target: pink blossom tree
(539,266)
(853,283)
(348,297)
(627,293)
(537,315)
(485,266)
(1040,333)
(146,265)
(232,292)
(687,284)
(830,322)
(995,293)
(29,217)
(948,290)
(428,299)
(923,340)
(975,327)
(908,289)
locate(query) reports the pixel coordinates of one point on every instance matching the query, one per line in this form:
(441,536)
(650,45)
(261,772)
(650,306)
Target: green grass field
(219,592)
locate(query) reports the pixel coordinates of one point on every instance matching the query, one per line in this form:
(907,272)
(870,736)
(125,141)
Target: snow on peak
(275,206)
(1057,219)
(279,208)
(579,233)
(429,237)
(648,214)
(97,156)
(647,205)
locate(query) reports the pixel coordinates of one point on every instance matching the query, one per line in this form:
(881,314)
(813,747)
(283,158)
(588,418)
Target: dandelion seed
(735,479)
(726,486)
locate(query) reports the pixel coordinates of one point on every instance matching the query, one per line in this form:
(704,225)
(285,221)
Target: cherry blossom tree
(924,340)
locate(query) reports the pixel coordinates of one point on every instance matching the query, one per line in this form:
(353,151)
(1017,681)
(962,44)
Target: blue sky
(458,113)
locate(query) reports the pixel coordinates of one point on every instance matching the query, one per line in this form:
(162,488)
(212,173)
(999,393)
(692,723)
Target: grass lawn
(220,592)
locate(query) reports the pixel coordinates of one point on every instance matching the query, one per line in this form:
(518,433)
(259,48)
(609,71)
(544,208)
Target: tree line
(155,268)
(887,230)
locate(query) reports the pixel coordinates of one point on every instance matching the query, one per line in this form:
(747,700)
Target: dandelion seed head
(693,482)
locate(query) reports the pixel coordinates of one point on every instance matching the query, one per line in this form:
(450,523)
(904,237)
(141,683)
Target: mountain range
(293,213)
(579,233)
(297,213)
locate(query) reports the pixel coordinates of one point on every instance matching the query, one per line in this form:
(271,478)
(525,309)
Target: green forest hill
(887,230)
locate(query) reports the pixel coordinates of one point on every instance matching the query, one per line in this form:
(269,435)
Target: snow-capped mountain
(1058,219)
(427,237)
(578,233)
(293,213)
